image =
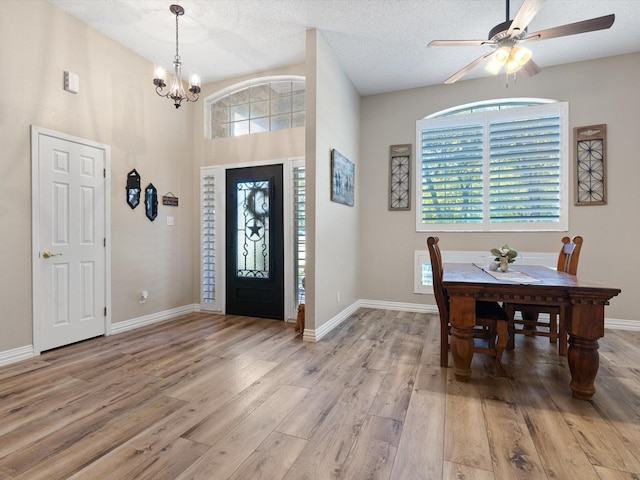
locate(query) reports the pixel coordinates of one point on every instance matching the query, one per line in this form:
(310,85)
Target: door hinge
(104,241)
(105,311)
(104,173)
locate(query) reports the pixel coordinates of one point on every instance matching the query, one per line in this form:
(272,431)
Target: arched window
(493,166)
(260,105)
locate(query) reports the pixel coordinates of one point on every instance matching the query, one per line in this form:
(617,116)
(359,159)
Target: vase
(504,264)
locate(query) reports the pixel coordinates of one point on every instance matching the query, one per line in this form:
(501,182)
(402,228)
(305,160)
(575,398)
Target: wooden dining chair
(555,327)
(491,319)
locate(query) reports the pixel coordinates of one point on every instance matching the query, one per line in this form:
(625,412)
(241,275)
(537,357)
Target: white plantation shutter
(208,204)
(452,174)
(494,170)
(525,170)
(299,232)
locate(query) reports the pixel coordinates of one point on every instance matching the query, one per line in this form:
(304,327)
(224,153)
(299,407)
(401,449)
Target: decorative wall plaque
(170,200)
(591,154)
(400,177)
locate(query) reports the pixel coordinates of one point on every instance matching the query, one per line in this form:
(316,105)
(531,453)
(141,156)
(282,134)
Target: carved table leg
(462,316)
(585,325)
(583,361)
(462,352)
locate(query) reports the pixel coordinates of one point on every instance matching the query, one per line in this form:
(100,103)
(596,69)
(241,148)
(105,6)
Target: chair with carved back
(491,319)
(555,327)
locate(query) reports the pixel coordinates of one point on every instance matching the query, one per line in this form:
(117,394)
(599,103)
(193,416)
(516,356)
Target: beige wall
(333,121)
(600,91)
(116,106)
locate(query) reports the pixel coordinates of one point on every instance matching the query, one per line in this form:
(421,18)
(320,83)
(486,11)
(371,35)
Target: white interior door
(69,289)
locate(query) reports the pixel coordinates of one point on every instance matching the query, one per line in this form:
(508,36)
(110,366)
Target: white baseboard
(616,324)
(16,354)
(402,307)
(315,335)
(152,318)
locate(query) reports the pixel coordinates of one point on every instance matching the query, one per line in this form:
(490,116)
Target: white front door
(69,239)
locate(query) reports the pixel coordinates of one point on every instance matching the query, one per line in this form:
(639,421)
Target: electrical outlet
(142,296)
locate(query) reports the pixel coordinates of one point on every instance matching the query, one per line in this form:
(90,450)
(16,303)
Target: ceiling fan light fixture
(512,66)
(498,60)
(520,54)
(518,57)
(493,66)
(502,54)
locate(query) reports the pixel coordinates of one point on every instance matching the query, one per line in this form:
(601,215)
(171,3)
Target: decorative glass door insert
(252,198)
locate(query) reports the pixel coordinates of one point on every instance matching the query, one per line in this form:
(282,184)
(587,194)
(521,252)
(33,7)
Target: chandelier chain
(177,57)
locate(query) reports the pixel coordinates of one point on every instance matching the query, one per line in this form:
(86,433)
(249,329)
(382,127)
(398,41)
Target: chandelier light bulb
(194,80)
(160,73)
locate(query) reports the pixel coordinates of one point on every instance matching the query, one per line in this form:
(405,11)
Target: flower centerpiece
(504,256)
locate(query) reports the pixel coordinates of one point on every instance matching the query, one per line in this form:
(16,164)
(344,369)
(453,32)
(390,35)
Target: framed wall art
(400,177)
(343,179)
(590,163)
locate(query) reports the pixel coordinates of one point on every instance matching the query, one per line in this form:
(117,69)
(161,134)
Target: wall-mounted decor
(151,202)
(170,200)
(133,188)
(400,177)
(343,178)
(590,161)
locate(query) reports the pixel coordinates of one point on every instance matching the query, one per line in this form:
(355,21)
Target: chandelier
(176,89)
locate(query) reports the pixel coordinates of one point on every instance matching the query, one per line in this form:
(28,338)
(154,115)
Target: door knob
(48,254)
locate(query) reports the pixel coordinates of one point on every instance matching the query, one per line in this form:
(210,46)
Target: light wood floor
(218,397)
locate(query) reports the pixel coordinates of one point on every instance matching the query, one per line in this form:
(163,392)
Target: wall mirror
(151,202)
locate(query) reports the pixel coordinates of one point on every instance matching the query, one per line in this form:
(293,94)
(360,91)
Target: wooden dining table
(582,303)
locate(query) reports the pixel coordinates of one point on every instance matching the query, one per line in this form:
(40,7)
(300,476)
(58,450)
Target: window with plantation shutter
(495,169)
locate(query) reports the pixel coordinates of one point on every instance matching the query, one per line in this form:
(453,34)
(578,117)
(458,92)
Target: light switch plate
(71,82)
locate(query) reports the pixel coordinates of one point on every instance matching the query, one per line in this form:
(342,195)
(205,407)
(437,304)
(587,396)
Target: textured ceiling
(380,44)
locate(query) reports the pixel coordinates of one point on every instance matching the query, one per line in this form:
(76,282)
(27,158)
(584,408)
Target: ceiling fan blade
(462,72)
(530,68)
(598,23)
(459,43)
(527,11)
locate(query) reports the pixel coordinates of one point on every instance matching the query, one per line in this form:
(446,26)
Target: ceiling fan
(506,37)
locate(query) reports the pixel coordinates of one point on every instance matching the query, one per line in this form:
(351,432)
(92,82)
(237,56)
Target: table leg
(462,316)
(584,360)
(585,325)
(462,352)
